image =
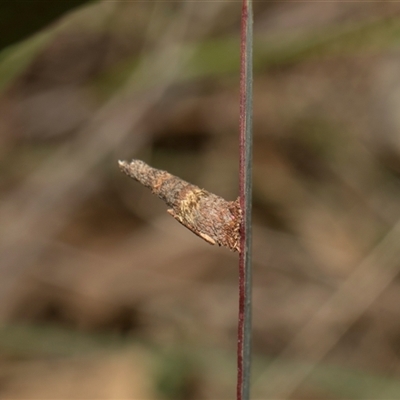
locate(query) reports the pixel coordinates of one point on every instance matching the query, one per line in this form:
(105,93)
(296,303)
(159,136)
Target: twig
(209,216)
(245,189)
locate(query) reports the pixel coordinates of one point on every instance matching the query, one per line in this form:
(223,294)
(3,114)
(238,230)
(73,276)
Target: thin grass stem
(245,190)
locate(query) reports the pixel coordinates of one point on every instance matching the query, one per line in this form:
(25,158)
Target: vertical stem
(245,189)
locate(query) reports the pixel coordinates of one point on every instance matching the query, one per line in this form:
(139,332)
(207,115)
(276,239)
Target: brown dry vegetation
(105,296)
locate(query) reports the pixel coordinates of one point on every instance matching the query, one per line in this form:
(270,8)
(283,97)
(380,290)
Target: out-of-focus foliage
(19,19)
(104,295)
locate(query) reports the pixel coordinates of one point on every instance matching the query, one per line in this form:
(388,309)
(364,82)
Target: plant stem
(245,196)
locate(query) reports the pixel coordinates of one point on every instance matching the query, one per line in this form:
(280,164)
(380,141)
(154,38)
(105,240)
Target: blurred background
(103,294)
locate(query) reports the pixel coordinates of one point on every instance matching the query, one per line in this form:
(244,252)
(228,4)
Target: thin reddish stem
(245,164)
(242,141)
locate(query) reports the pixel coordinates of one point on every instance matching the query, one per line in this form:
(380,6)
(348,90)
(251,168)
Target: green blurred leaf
(19,18)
